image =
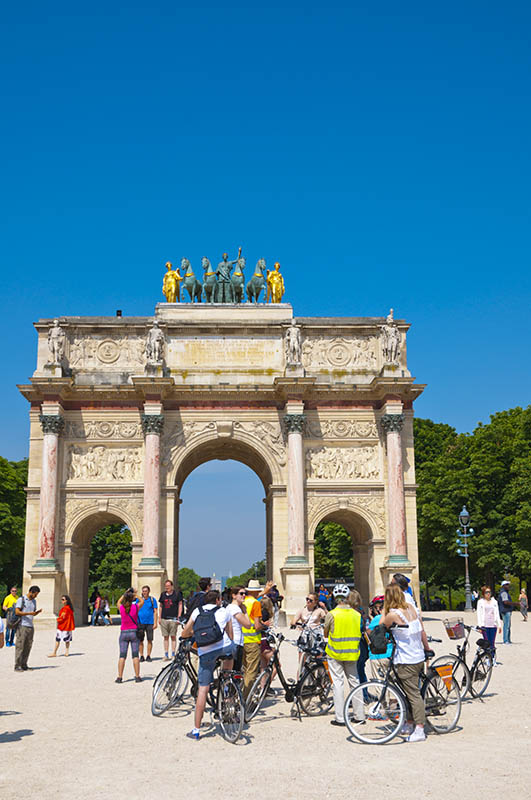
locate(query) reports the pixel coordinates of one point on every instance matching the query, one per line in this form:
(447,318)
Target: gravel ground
(68,731)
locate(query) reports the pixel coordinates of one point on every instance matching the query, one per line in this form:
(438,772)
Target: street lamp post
(463,537)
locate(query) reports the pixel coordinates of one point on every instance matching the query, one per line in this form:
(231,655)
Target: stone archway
(225,448)
(362,525)
(79,535)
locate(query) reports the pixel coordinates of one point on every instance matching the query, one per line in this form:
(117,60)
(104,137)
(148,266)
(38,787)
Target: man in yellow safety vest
(252,636)
(342,627)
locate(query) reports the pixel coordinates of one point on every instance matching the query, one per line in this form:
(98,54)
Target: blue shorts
(207,663)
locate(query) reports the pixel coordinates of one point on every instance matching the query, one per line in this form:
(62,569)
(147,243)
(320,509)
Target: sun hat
(254,586)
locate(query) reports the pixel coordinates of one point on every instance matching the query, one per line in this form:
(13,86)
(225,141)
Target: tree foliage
(13,479)
(333,551)
(110,560)
(256,572)
(489,471)
(187,581)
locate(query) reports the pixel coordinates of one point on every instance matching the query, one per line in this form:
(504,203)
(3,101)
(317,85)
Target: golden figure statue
(171,285)
(275,285)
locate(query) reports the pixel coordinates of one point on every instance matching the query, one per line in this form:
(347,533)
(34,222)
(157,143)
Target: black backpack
(206,629)
(378,640)
(12,619)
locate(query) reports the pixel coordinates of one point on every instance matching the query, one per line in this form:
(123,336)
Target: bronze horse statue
(257,282)
(209,281)
(190,282)
(238,280)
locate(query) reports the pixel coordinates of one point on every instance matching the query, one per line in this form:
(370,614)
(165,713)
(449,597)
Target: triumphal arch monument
(122,409)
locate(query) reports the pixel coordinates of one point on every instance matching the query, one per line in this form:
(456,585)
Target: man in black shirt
(170,609)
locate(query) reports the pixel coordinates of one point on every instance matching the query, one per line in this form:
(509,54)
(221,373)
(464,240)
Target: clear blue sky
(380,152)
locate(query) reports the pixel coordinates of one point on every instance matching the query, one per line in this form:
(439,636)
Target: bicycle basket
(455,627)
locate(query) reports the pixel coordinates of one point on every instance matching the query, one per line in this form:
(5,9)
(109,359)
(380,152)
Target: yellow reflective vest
(251,634)
(344,639)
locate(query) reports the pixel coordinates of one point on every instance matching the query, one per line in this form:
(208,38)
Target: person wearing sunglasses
(239,617)
(489,619)
(312,615)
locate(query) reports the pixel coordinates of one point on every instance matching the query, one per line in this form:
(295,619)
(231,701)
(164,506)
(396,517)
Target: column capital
(52,423)
(294,423)
(392,423)
(152,423)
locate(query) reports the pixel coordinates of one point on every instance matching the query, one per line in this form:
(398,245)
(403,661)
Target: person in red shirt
(65,626)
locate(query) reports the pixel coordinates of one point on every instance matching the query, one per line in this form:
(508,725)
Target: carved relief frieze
(102,463)
(180,435)
(269,434)
(336,463)
(317,505)
(132,508)
(340,429)
(103,430)
(360,352)
(99,352)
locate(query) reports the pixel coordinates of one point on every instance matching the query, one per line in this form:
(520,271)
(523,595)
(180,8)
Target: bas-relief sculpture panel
(340,429)
(319,505)
(182,434)
(354,352)
(76,507)
(102,429)
(337,463)
(106,351)
(100,463)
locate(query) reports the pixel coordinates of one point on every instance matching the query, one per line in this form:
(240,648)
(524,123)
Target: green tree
(333,551)
(256,572)
(110,560)
(13,479)
(187,581)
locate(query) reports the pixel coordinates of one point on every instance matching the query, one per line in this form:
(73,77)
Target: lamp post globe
(464,517)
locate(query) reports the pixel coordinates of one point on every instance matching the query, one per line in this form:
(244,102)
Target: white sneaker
(407,729)
(418,735)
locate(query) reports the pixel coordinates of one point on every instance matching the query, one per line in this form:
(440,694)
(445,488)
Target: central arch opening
(343,545)
(223,511)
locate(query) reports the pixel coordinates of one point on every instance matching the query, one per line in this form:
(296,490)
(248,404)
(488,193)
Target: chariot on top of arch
(224,283)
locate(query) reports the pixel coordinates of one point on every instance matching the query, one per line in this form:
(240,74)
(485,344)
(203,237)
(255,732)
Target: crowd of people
(234,626)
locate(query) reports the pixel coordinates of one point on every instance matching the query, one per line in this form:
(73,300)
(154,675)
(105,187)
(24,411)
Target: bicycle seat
(429,653)
(483,643)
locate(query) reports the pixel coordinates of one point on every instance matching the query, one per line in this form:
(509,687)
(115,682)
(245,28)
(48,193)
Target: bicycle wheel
(442,701)
(256,696)
(315,692)
(480,674)
(167,691)
(231,711)
(460,671)
(374,712)
(161,675)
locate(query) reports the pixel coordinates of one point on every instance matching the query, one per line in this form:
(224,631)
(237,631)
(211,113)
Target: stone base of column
(46,575)
(405,567)
(150,572)
(294,371)
(297,582)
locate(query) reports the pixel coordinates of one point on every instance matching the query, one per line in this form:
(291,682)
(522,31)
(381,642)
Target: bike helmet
(341,590)
(376,601)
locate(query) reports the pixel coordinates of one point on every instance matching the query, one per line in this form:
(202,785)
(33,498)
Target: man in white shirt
(209,653)
(26,609)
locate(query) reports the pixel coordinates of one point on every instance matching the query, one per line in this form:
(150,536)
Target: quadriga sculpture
(257,282)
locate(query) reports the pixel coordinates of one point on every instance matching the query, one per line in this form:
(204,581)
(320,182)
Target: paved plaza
(68,731)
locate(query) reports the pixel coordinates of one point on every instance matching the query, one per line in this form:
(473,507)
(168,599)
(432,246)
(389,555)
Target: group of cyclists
(235,634)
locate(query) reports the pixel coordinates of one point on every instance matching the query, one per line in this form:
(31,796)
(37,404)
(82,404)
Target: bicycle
(224,695)
(474,679)
(311,692)
(375,711)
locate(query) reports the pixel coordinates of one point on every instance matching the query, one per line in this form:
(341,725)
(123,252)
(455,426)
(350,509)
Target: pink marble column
(392,425)
(296,550)
(52,425)
(152,426)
